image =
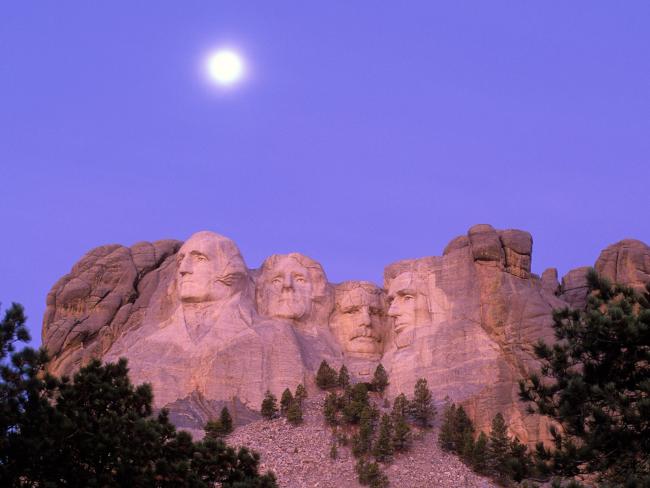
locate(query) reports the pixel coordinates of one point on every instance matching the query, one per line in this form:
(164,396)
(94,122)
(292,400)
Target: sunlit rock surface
(206,331)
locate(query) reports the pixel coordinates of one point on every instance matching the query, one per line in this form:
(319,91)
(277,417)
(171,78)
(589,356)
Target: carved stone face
(358,321)
(289,286)
(408,305)
(210,268)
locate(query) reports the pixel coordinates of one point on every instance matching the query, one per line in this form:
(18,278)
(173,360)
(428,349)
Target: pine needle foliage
(597,386)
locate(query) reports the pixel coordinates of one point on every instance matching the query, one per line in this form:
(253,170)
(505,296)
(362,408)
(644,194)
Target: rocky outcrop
(105,294)
(627,262)
(206,331)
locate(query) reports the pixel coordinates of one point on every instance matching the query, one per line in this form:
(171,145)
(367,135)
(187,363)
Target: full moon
(225,67)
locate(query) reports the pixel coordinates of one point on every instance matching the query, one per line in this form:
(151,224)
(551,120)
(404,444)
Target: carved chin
(363,345)
(287,310)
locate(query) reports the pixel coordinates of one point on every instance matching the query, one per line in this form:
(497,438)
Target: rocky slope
(299,456)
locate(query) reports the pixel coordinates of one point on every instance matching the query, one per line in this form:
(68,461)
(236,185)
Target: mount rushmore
(205,330)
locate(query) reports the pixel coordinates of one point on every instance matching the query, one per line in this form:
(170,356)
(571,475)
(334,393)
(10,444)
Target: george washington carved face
(210,268)
(359,318)
(289,286)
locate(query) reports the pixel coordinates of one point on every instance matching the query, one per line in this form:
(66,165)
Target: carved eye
(408,297)
(200,257)
(300,279)
(277,280)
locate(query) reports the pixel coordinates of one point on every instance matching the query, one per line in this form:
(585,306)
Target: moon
(225,67)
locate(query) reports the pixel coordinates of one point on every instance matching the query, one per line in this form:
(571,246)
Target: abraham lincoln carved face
(210,268)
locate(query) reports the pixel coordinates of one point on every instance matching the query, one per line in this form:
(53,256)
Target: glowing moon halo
(225,67)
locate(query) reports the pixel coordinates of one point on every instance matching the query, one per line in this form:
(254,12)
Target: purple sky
(365,134)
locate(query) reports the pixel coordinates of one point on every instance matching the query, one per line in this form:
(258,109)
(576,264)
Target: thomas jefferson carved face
(288,286)
(408,306)
(210,268)
(359,318)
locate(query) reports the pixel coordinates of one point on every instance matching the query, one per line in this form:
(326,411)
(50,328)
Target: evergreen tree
(294,413)
(226,421)
(446,437)
(464,432)
(334,451)
(356,401)
(362,441)
(400,406)
(213,429)
(401,435)
(383,448)
(499,445)
(330,408)
(422,406)
(380,379)
(344,377)
(370,474)
(326,376)
(401,430)
(518,464)
(269,406)
(596,385)
(301,393)
(97,430)
(285,401)
(480,455)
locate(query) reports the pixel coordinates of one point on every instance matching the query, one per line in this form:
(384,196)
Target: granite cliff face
(205,330)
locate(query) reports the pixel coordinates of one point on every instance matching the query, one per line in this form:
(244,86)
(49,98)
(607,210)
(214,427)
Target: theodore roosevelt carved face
(359,318)
(210,268)
(289,286)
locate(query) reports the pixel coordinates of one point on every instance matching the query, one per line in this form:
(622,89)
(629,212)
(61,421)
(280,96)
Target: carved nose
(364,318)
(393,310)
(185,267)
(287,282)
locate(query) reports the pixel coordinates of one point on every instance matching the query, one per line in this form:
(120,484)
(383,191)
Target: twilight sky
(365,133)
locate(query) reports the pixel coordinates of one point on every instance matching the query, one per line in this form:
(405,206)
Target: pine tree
(422,405)
(330,408)
(334,451)
(383,448)
(401,429)
(326,377)
(356,400)
(98,429)
(226,421)
(464,430)
(294,413)
(362,441)
(269,406)
(301,393)
(480,455)
(446,437)
(380,379)
(344,377)
(603,406)
(213,429)
(499,445)
(285,401)
(370,474)
(518,463)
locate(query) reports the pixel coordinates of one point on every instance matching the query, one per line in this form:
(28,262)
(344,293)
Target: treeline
(290,405)
(98,430)
(373,437)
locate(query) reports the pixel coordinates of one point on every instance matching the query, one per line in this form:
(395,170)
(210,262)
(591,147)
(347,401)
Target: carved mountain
(207,331)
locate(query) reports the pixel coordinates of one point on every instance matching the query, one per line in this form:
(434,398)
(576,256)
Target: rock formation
(206,331)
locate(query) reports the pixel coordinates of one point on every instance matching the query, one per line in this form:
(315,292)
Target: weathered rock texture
(206,331)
